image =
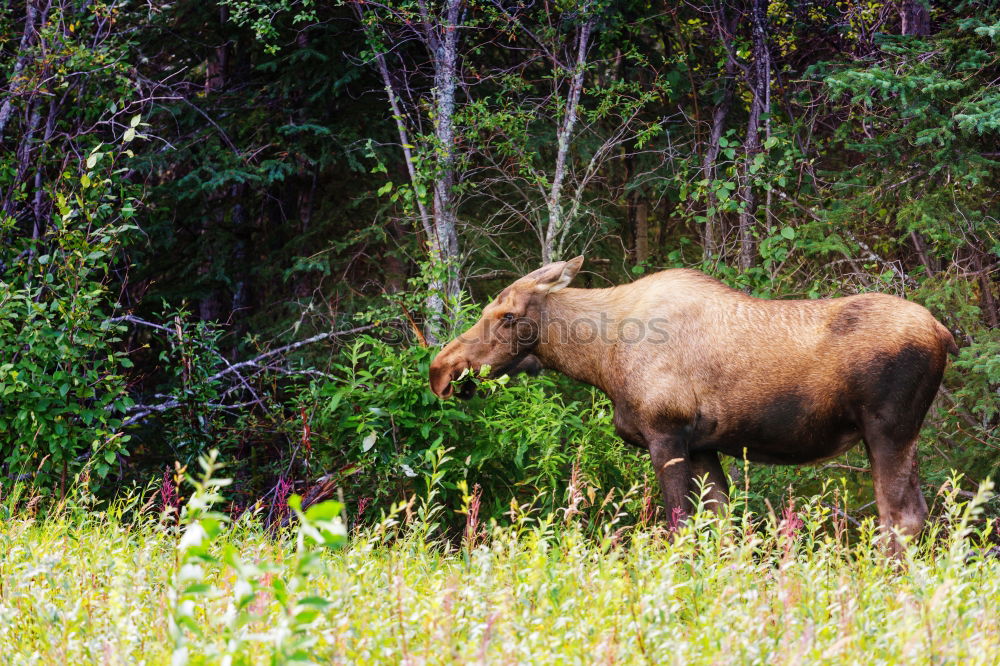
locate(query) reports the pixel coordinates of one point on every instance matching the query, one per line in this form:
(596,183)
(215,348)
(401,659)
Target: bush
(379,421)
(62,390)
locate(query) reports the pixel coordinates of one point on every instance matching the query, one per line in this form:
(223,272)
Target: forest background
(246,224)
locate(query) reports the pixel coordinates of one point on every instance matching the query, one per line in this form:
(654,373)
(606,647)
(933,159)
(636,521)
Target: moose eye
(508,317)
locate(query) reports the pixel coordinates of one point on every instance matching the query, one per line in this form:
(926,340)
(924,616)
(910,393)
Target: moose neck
(577,334)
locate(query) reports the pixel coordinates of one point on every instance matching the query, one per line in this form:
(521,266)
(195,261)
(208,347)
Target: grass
(92,587)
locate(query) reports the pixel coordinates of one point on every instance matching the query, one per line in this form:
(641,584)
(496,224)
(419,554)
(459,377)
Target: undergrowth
(132,584)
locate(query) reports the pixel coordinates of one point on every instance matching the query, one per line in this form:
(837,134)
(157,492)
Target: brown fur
(717,371)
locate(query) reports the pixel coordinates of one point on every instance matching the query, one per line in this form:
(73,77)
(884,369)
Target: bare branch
(140,411)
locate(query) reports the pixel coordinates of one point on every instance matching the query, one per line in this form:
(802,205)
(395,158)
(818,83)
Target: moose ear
(552,278)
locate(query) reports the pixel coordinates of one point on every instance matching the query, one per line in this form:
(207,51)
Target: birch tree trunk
(444,242)
(555,231)
(759,79)
(439,33)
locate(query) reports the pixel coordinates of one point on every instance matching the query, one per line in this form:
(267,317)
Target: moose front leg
(673,471)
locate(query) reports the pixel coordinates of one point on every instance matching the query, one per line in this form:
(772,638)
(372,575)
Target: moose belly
(786,431)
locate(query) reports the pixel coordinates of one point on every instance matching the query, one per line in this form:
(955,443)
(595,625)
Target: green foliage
(796,584)
(190,355)
(290,638)
(62,384)
(932,106)
(379,419)
(981,361)
(259,15)
(277,204)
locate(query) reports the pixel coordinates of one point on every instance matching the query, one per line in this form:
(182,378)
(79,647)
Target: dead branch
(140,412)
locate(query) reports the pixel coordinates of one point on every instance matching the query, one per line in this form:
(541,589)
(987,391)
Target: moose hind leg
(705,466)
(900,503)
(898,397)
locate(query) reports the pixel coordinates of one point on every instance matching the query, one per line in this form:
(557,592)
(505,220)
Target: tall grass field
(585,585)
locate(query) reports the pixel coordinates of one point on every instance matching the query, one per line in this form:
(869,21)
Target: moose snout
(444,370)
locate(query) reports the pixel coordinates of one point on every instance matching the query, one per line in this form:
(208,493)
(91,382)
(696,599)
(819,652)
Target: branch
(492,275)
(841,513)
(140,412)
(290,347)
(404,139)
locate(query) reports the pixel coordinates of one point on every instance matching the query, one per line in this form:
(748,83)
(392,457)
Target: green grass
(88,587)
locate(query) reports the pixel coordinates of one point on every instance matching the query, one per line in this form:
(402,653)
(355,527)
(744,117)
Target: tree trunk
(987,301)
(916,20)
(555,231)
(217,66)
(916,17)
(240,256)
(30,18)
(641,229)
(439,223)
(724,28)
(759,79)
(444,244)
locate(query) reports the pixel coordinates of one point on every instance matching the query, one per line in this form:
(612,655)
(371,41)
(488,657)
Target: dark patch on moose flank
(782,413)
(788,430)
(847,320)
(901,385)
(897,377)
(775,431)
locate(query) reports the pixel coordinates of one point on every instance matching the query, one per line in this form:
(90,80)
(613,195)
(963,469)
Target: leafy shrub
(288,639)
(62,389)
(379,420)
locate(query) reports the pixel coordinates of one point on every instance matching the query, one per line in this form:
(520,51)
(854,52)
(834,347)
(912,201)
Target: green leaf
(788,232)
(318,603)
(324,510)
(368,442)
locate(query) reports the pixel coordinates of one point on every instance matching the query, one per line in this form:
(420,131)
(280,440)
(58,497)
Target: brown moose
(695,368)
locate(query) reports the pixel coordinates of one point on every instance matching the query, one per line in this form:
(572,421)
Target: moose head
(506,334)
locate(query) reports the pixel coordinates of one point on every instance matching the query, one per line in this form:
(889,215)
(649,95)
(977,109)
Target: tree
(558,221)
(723,28)
(758,75)
(429,156)
(557,117)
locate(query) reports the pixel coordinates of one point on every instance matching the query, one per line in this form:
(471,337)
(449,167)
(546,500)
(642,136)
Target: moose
(695,368)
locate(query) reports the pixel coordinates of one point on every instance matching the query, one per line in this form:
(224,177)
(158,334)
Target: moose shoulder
(695,369)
